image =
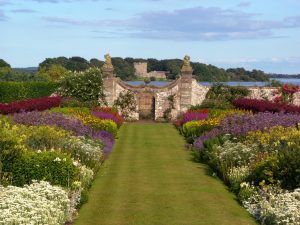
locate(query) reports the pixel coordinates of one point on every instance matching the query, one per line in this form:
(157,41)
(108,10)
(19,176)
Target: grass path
(150,179)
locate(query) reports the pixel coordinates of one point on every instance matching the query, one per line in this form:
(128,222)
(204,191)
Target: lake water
(233,83)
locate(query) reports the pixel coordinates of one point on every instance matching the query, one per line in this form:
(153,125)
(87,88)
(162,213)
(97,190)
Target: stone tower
(140,68)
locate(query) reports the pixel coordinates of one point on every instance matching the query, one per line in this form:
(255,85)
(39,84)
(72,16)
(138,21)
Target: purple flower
(190,116)
(66,122)
(239,125)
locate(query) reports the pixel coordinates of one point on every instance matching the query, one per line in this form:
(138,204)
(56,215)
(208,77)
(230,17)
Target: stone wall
(157,74)
(186,92)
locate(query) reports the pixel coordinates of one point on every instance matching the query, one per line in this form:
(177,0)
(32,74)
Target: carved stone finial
(108,63)
(107,68)
(186,65)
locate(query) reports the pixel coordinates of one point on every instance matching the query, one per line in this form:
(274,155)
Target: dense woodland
(53,68)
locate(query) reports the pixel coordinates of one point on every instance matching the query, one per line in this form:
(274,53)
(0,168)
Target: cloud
(244,4)
(190,24)
(58,1)
(23,11)
(2,16)
(5,2)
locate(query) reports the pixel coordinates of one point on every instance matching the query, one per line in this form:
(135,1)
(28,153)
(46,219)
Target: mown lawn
(150,179)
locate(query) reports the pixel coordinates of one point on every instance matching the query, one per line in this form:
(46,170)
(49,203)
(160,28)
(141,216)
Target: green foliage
(147,80)
(226,93)
(167,115)
(72,102)
(4,64)
(53,73)
(54,167)
(107,125)
(123,68)
(84,86)
(13,91)
(243,75)
(72,64)
(152,78)
(126,104)
(70,110)
(283,167)
(45,138)
(11,146)
(214,104)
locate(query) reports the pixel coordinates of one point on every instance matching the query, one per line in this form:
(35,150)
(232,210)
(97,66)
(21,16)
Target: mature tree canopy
(3,63)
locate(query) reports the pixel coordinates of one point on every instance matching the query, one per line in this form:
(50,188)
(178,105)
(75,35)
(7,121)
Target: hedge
(257,105)
(14,91)
(37,104)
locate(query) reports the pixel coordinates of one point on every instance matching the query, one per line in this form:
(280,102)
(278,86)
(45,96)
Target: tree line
(53,68)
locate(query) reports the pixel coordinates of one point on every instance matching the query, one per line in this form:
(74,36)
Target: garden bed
(256,155)
(48,159)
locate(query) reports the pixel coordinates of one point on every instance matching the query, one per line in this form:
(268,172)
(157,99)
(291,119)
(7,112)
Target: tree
(4,64)
(54,73)
(77,64)
(96,63)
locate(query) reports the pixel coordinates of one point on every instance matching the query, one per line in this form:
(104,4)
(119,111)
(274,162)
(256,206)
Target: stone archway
(153,102)
(146,102)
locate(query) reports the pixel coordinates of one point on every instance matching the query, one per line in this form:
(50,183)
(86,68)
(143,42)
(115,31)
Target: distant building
(140,69)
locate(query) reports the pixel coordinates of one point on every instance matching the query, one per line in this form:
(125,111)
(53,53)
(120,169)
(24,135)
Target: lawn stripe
(150,179)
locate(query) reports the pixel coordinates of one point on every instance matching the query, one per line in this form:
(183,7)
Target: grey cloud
(23,11)
(244,4)
(5,2)
(190,24)
(2,16)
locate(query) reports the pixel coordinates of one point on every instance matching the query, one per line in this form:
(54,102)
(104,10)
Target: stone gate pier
(152,101)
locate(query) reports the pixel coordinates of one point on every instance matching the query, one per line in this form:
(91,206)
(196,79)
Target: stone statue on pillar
(186,69)
(107,68)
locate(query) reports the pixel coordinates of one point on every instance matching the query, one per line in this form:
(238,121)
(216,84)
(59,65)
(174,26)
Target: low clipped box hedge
(15,91)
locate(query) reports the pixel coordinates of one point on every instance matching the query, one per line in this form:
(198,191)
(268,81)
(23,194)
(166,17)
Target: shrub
(72,102)
(214,104)
(282,167)
(83,86)
(38,203)
(126,104)
(285,93)
(54,167)
(192,115)
(239,125)
(113,116)
(226,93)
(15,91)
(71,124)
(194,129)
(256,105)
(273,205)
(70,110)
(11,147)
(39,104)
(98,124)
(45,138)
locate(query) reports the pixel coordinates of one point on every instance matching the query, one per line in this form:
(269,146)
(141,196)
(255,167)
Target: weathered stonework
(140,69)
(185,91)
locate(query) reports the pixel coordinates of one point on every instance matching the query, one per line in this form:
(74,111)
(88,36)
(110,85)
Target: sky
(257,34)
